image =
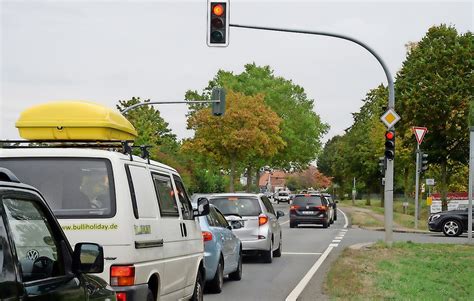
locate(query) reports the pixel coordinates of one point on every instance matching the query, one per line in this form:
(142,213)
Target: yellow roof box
(74,120)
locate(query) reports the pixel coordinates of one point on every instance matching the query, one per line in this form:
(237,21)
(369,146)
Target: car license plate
(308,212)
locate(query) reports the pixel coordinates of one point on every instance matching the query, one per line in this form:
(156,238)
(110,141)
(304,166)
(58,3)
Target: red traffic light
(390,135)
(218,10)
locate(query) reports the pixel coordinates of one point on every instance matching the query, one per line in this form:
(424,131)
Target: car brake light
(262,219)
(206,235)
(294,207)
(122,275)
(322,208)
(121,296)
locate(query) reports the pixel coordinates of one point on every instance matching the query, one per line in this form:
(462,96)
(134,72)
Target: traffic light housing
(423,162)
(390,145)
(218,23)
(218,108)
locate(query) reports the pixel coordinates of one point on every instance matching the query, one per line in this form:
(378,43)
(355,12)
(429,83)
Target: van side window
(165,193)
(184,199)
(34,241)
(144,194)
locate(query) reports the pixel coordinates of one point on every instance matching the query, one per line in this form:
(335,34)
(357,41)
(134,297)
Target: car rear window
(301,200)
(73,187)
(283,194)
(243,206)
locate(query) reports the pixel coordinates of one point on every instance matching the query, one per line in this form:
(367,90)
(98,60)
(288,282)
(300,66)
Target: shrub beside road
(407,271)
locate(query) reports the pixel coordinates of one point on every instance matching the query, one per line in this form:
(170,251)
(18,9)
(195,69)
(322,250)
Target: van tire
(198,294)
(149,296)
(215,285)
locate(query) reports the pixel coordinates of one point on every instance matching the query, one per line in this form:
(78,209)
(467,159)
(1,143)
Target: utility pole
(354,192)
(471,180)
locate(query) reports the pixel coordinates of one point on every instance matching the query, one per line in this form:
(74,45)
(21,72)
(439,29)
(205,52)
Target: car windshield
(243,206)
(302,200)
(73,187)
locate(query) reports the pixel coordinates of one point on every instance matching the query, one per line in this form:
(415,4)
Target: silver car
(254,221)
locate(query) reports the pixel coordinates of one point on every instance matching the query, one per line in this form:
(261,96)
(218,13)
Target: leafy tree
(301,127)
(152,129)
(248,129)
(434,89)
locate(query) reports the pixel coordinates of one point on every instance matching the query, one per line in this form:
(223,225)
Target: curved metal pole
(167,103)
(391,89)
(388,193)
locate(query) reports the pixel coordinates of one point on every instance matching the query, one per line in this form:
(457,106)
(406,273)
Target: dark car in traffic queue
(452,222)
(310,208)
(333,203)
(36,259)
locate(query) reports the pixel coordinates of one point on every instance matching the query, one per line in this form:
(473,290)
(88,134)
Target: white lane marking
(339,237)
(345,217)
(284,222)
(299,253)
(302,284)
(344,230)
(336,240)
(333,245)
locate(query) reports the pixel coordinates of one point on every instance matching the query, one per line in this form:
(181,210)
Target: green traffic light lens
(217,36)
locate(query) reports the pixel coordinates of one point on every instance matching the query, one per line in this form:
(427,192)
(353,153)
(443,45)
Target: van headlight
(435,217)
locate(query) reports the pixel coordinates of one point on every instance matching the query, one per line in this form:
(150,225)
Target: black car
(451,223)
(36,260)
(310,209)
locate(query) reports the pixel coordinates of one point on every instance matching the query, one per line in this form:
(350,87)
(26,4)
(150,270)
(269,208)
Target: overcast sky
(105,51)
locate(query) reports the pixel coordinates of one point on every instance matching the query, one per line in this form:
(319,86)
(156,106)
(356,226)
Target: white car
(282,196)
(259,229)
(138,210)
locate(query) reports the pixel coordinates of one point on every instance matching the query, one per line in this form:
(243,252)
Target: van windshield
(73,187)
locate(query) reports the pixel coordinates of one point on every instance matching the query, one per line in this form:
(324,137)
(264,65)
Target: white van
(138,210)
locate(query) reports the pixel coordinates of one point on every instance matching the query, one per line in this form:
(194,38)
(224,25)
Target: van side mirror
(88,258)
(202,207)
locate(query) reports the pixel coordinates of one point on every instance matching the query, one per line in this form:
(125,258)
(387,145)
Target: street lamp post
(391,105)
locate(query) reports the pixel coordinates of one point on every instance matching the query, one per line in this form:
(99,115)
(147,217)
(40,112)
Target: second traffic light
(423,162)
(390,145)
(218,108)
(218,23)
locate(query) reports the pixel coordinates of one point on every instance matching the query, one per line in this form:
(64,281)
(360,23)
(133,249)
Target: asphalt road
(293,276)
(301,249)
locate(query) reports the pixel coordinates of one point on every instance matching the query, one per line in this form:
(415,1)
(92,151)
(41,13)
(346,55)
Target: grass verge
(407,271)
(406,220)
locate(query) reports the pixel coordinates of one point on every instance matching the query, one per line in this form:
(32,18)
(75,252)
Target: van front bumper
(134,292)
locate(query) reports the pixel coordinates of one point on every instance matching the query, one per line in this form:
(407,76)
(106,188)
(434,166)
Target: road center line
(299,253)
(302,284)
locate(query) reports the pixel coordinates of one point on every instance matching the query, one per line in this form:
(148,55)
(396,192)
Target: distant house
(272,181)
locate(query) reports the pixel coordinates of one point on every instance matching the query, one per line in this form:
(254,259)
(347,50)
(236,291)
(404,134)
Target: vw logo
(307,207)
(32,254)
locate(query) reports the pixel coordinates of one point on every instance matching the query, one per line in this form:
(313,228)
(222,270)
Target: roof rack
(124,146)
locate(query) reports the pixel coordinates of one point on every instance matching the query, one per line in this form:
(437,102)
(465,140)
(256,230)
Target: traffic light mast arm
(391,89)
(189,102)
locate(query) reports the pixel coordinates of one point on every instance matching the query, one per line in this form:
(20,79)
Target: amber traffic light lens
(217,22)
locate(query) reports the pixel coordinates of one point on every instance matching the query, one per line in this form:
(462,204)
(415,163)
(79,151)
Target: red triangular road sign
(419,133)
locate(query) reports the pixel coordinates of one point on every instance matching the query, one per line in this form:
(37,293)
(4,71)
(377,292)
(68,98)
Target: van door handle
(182,231)
(185,231)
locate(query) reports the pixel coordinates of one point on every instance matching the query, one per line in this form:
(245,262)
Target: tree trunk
(249,178)
(232,175)
(406,184)
(257,179)
(444,186)
(367,201)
